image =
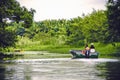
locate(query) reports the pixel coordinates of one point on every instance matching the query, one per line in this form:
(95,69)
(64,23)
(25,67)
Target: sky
(62,9)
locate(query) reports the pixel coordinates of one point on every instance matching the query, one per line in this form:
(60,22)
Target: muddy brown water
(61,69)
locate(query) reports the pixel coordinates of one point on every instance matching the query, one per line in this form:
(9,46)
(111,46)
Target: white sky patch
(59,9)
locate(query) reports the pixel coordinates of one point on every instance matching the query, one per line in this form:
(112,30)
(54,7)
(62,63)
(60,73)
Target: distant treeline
(99,26)
(76,31)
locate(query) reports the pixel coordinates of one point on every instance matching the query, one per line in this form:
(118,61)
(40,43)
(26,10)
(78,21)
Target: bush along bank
(104,50)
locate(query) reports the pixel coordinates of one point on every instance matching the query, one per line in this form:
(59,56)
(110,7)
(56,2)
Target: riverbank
(61,51)
(31,55)
(41,55)
(104,50)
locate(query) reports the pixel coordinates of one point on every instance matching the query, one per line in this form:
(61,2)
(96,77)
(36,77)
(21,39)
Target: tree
(7,38)
(94,26)
(113,15)
(10,10)
(74,32)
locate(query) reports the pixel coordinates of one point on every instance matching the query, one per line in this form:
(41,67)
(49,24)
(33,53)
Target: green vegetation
(113,15)
(10,10)
(59,36)
(105,50)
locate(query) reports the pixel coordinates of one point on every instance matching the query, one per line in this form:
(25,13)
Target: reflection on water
(61,69)
(110,70)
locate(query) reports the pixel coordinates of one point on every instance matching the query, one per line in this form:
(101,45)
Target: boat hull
(80,54)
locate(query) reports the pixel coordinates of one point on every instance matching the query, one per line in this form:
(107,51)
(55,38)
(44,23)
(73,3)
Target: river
(61,69)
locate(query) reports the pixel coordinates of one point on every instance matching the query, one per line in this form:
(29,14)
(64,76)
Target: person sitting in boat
(86,47)
(87,51)
(92,48)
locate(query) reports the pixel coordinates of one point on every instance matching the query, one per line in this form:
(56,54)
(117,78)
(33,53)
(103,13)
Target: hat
(92,43)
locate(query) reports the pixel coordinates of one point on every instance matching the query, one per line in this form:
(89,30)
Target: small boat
(81,54)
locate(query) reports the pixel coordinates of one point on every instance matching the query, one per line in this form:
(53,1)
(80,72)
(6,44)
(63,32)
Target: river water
(61,69)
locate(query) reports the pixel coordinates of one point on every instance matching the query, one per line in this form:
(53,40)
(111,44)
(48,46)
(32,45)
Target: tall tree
(113,7)
(11,10)
(94,26)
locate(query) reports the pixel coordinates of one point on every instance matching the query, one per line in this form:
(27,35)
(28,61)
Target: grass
(49,51)
(105,50)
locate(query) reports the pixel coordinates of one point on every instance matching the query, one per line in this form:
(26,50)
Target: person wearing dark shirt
(87,51)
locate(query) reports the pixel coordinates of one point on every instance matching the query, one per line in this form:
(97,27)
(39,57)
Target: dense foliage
(113,15)
(98,26)
(76,31)
(10,11)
